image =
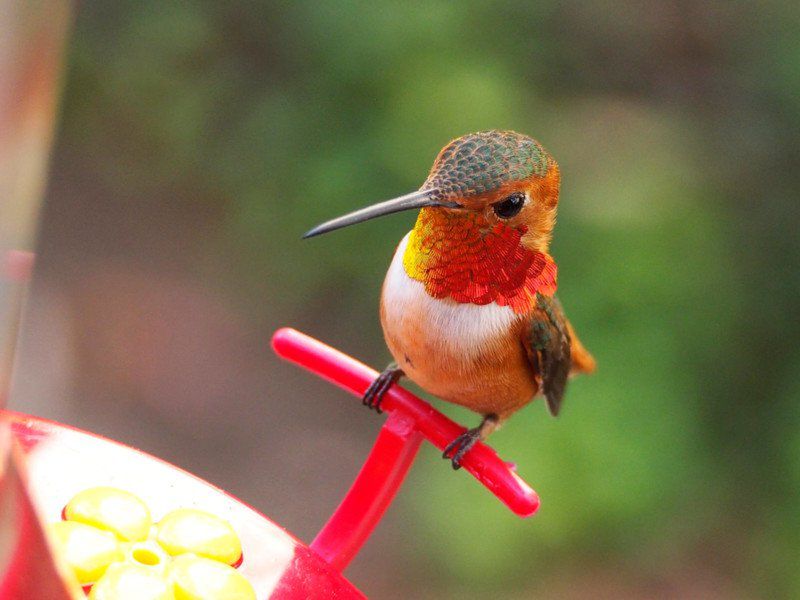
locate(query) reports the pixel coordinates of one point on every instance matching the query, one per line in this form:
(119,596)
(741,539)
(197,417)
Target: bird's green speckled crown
(480,163)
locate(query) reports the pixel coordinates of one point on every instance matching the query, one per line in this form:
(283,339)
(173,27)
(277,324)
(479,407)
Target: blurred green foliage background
(199,140)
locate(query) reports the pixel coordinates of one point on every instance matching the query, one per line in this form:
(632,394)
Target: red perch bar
(410,419)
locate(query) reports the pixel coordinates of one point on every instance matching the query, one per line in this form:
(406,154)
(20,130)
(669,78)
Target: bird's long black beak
(413,200)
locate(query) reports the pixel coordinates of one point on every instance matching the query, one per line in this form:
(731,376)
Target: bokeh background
(197,141)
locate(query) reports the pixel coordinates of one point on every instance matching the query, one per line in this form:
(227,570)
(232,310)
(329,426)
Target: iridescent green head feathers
(480,163)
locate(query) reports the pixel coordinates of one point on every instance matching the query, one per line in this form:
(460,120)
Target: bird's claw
(377,389)
(461,445)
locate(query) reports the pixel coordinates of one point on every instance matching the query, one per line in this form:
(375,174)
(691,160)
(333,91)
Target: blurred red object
(18,265)
(27,569)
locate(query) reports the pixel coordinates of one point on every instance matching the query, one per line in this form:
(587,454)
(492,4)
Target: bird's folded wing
(548,344)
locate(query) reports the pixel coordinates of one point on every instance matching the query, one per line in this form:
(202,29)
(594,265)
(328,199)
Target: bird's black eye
(510,207)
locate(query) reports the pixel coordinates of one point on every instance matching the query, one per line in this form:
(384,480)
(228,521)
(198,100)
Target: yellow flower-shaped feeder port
(109,541)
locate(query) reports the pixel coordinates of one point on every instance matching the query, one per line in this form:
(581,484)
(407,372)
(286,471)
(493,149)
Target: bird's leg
(456,449)
(378,388)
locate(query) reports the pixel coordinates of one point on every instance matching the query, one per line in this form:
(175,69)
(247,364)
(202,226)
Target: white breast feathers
(465,328)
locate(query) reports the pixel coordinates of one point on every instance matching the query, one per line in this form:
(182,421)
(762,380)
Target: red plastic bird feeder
(51,461)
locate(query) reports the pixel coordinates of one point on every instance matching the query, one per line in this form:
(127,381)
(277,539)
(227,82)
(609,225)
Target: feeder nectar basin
(58,462)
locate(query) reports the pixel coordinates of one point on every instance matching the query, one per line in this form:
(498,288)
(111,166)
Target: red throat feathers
(459,255)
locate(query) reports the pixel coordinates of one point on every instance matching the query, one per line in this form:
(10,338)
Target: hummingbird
(468,305)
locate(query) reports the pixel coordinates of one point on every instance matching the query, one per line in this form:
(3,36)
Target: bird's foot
(457,449)
(377,389)
(461,445)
